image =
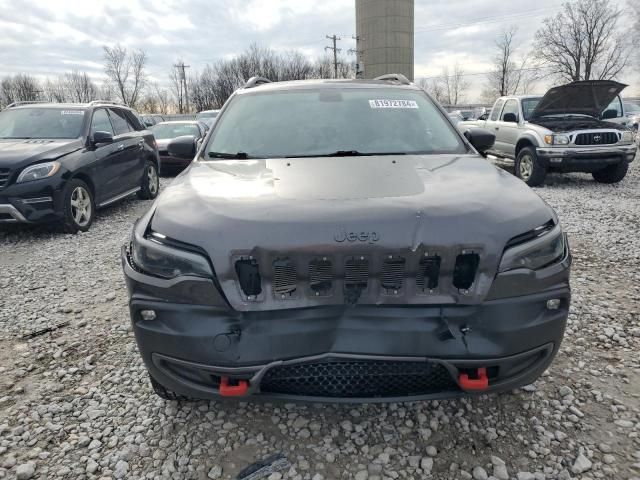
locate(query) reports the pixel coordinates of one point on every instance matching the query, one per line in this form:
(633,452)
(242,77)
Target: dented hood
(585,97)
(345,205)
(18,153)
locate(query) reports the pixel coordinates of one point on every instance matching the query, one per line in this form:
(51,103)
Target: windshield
(631,107)
(314,122)
(41,123)
(207,115)
(529,105)
(163,131)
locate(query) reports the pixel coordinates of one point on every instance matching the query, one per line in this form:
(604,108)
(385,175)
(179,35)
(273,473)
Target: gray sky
(47,38)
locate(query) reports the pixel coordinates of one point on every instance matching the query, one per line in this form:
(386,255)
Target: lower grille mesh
(358,379)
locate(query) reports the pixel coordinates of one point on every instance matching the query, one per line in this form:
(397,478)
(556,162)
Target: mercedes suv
(60,162)
(350,246)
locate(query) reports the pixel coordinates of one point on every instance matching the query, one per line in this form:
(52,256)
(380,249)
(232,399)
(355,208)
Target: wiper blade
(346,153)
(234,156)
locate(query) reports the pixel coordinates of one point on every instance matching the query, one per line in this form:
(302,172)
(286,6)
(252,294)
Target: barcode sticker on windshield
(393,104)
(72,112)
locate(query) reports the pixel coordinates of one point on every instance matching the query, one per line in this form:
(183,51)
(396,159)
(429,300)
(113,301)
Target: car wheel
(79,208)
(150,182)
(165,393)
(612,173)
(528,168)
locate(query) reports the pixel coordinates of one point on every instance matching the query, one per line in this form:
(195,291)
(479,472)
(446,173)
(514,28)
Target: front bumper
(39,201)
(585,159)
(345,354)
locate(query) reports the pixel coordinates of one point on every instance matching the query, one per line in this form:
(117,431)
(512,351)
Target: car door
(507,131)
(129,163)
(104,170)
(491,123)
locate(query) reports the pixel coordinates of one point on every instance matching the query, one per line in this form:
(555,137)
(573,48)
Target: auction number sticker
(72,112)
(393,104)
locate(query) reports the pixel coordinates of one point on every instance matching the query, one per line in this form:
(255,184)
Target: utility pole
(183,81)
(335,49)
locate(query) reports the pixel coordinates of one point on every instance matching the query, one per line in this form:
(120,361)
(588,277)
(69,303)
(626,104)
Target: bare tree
(177,87)
(80,87)
(126,70)
(19,88)
(55,90)
(162,96)
(434,88)
(634,9)
(454,84)
(583,41)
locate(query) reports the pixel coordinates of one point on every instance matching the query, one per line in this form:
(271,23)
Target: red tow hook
(238,390)
(476,384)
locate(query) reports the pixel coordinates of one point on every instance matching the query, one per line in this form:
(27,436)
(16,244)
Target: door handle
(497,128)
(121,146)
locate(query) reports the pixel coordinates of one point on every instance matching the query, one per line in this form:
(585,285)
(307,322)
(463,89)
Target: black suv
(59,162)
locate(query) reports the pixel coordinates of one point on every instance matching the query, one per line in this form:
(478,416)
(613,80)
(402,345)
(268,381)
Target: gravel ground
(76,403)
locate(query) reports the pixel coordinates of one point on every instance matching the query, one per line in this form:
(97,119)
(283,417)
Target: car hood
(586,97)
(345,205)
(20,153)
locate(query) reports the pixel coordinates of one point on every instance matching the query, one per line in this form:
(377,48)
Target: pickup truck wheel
(612,173)
(528,168)
(165,393)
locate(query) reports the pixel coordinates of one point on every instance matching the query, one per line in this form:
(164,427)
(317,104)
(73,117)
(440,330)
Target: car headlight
(38,171)
(155,257)
(556,139)
(627,137)
(537,253)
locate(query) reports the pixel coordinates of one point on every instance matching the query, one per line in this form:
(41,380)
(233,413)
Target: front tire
(612,173)
(79,207)
(528,167)
(150,185)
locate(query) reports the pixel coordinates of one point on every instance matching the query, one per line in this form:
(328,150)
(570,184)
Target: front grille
(358,379)
(393,274)
(428,273)
(320,276)
(356,273)
(284,277)
(4,176)
(598,138)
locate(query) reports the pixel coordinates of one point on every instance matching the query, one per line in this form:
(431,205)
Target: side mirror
(481,139)
(182,147)
(510,117)
(484,116)
(102,137)
(611,113)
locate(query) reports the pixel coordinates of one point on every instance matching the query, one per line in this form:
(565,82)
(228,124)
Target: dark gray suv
(350,246)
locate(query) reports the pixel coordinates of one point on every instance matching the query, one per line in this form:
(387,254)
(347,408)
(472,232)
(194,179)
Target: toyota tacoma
(352,245)
(572,128)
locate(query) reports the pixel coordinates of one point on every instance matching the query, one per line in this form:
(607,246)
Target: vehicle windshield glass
(163,131)
(528,106)
(632,107)
(38,122)
(314,122)
(207,115)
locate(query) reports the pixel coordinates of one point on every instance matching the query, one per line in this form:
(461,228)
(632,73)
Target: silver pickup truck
(572,128)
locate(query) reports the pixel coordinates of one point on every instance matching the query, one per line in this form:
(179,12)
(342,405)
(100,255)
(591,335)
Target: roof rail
(25,102)
(108,102)
(255,81)
(394,77)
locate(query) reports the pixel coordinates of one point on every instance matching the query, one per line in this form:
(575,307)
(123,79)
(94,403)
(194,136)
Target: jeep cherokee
(59,162)
(352,245)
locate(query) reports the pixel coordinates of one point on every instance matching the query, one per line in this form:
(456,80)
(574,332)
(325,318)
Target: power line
(335,49)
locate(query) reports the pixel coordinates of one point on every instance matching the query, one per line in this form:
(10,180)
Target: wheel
(528,168)
(612,173)
(150,182)
(79,208)
(165,393)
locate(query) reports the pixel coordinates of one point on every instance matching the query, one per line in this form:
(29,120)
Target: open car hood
(586,97)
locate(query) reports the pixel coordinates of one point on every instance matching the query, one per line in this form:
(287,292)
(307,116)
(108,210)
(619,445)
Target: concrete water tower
(384,30)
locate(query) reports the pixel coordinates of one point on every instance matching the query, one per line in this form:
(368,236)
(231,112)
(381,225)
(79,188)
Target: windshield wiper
(233,156)
(347,153)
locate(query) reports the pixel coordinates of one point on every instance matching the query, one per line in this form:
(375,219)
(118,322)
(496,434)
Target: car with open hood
(61,162)
(352,245)
(577,127)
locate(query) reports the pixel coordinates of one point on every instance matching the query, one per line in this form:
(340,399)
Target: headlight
(38,171)
(158,259)
(536,253)
(556,139)
(627,137)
